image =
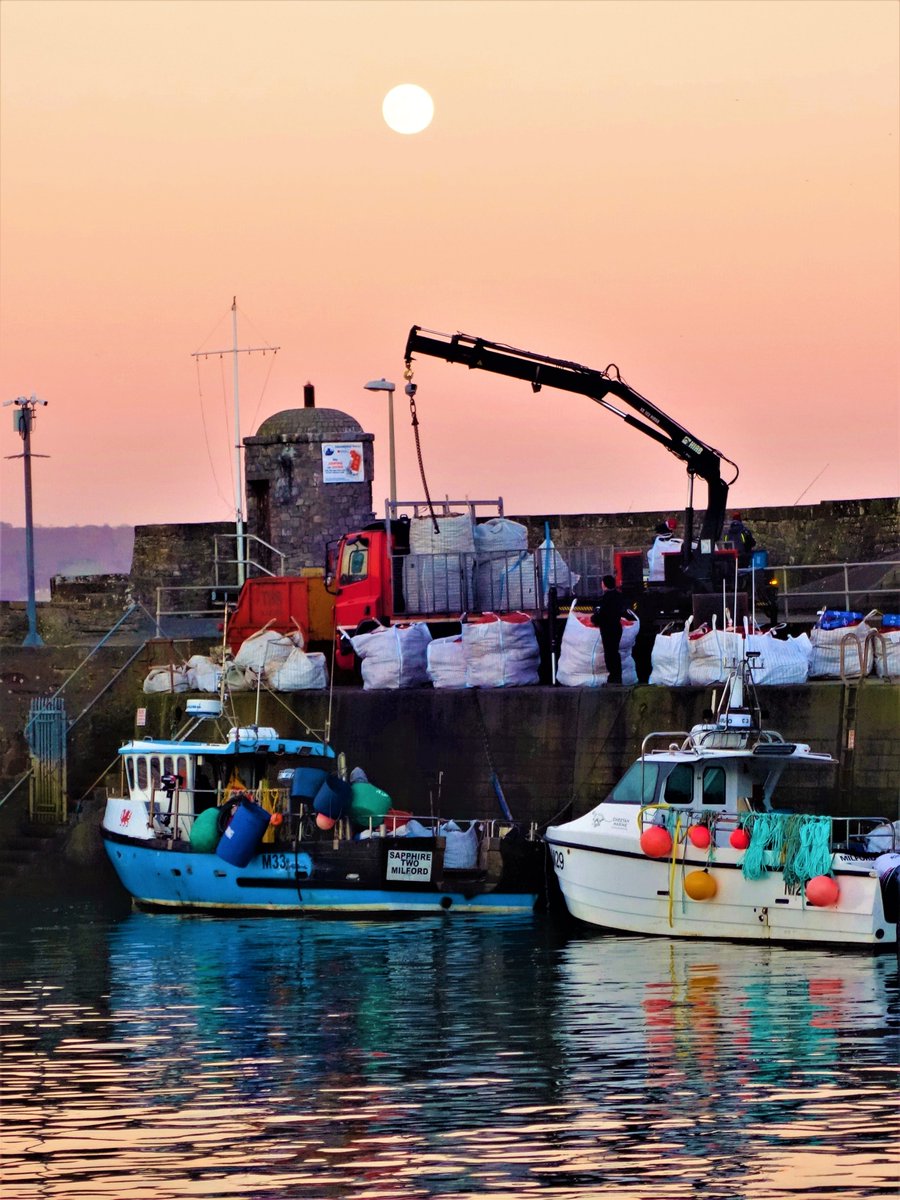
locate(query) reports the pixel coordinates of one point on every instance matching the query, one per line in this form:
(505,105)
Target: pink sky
(704,193)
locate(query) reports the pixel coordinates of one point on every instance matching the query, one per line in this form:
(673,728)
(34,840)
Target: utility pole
(238,472)
(23,422)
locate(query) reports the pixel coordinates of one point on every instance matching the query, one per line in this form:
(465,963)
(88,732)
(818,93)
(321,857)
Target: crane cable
(410,390)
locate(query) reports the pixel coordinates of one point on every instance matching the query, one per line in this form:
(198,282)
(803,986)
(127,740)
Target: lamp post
(385,385)
(24,420)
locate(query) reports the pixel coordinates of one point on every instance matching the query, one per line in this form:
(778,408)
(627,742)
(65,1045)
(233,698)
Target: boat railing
(675,739)
(173,815)
(856,836)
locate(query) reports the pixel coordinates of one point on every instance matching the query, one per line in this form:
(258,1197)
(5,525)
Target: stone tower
(309,480)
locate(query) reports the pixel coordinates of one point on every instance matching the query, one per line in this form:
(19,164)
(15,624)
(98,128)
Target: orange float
(700,885)
(656,842)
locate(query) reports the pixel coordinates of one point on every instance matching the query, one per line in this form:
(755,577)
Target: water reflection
(157,1056)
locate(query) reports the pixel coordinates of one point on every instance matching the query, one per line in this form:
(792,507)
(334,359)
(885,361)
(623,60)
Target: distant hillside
(62,550)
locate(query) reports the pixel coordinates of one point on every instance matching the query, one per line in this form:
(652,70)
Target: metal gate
(46,734)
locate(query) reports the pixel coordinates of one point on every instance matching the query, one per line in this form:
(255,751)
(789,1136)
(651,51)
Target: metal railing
(853,586)
(250,564)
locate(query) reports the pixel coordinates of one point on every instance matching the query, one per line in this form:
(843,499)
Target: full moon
(408,108)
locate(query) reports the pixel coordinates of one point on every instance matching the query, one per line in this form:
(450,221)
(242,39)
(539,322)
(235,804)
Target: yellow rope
(675,837)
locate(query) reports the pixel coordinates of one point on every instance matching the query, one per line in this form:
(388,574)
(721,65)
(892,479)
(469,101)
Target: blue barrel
(241,839)
(333,797)
(306,782)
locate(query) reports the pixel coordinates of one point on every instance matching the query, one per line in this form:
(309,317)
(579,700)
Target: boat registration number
(276,862)
(409,865)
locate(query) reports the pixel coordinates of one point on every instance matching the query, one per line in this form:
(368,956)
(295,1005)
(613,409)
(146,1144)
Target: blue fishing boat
(250,822)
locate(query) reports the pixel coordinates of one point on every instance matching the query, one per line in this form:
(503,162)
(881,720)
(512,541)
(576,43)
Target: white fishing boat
(691,843)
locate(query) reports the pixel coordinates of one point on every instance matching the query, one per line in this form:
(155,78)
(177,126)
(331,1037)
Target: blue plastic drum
(333,798)
(245,831)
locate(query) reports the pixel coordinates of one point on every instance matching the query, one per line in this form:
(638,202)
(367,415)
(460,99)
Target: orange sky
(704,193)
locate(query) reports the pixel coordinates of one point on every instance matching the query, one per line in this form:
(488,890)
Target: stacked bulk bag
(670,658)
(553,571)
(500,651)
(446,663)
(299,672)
(437,572)
(581,659)
(829,645)
(504,572)
(393,657)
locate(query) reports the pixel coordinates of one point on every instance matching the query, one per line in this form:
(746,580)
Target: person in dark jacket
(738,537)
(607,616)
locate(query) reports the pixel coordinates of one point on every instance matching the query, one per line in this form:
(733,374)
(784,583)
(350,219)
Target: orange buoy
(276,819)
(822,891)
(699,836)
(324,822)
(700,885)
(656,841)
(740,839)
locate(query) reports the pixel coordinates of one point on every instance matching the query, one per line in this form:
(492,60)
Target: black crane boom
(542,371)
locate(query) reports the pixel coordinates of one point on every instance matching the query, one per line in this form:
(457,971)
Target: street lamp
(385,385)
(24,422)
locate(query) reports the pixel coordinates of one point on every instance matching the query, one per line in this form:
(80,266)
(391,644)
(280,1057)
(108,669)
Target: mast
(234,351)
(238,473)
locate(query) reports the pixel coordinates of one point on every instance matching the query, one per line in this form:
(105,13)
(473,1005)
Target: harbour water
(151,1057)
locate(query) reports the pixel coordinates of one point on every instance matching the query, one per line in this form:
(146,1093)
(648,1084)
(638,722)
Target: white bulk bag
(265,648)
(581,659)
(500,651)
(825,658)
(886,652)
(300,672)
(446,662)
(203,675)
(670,658)
(780,662)
(166,679)
(712,654)
(394,657)
(461,846)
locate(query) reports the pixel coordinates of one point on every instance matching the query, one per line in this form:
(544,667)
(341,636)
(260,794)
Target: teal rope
(799,845)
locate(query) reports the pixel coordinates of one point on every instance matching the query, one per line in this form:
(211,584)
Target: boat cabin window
(129,771)
(155,774)
(637,785)
(142,773)
(679,787)
(714,786)
(355,561)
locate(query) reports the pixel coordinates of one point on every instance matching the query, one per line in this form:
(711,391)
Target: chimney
(309,396)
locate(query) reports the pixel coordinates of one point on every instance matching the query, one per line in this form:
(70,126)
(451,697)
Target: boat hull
(377,877)
(604,883)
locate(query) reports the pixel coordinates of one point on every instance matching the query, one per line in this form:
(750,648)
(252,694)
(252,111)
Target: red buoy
(740,839)
(656,841)
(699,836)
(822,891)
(324,822)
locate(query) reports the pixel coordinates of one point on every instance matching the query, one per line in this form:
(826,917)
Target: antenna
(235,350)
(23,422)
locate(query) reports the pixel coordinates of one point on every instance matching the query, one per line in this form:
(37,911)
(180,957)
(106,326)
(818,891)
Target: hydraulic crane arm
(541,371)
